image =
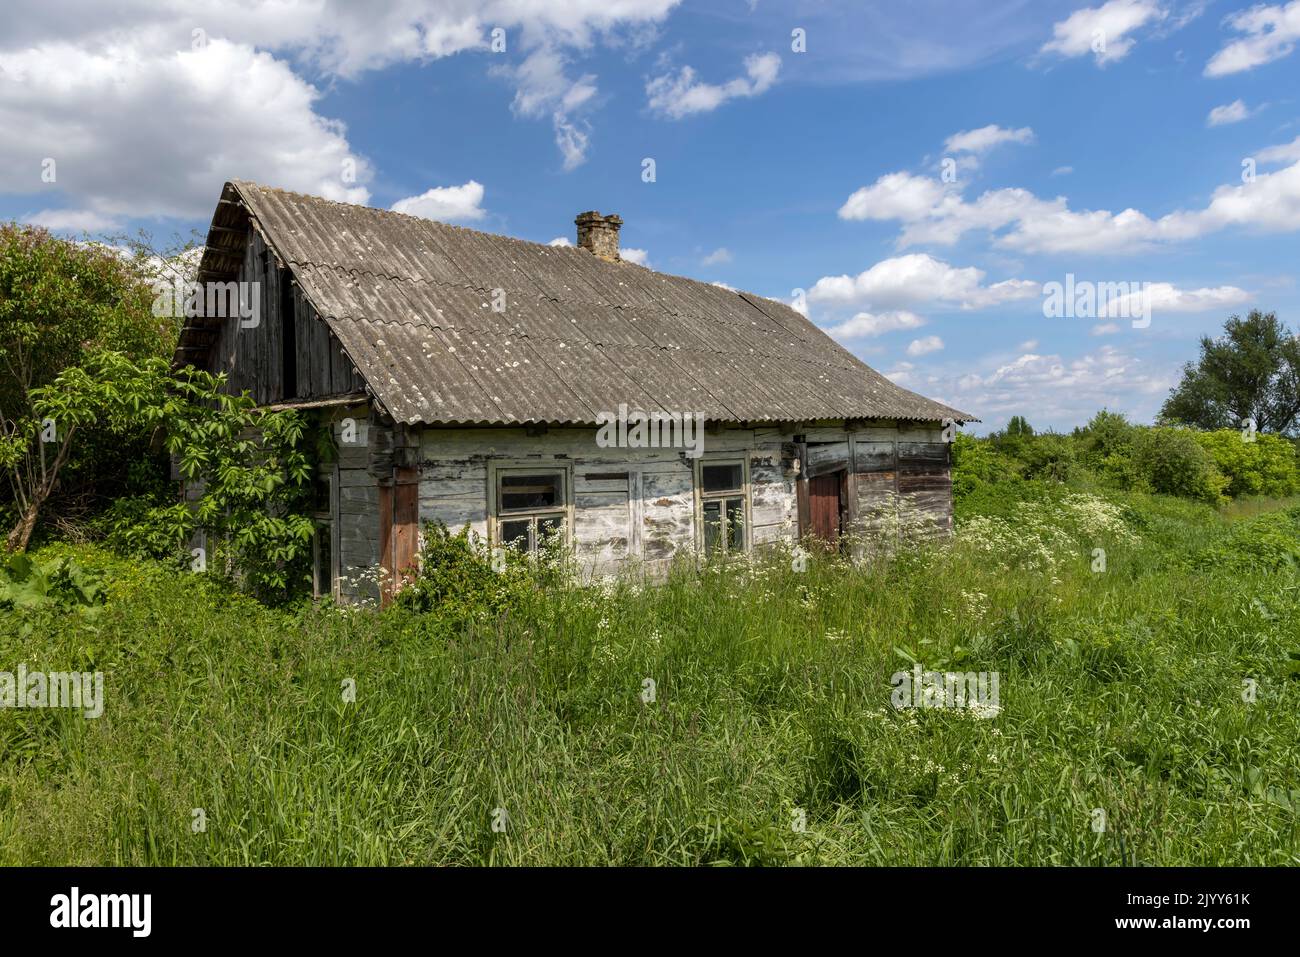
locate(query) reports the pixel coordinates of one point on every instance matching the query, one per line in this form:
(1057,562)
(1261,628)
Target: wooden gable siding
(253,357)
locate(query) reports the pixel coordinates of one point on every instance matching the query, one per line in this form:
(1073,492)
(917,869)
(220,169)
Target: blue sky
(918,171)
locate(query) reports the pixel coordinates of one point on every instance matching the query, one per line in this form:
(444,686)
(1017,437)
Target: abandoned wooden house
(478,379)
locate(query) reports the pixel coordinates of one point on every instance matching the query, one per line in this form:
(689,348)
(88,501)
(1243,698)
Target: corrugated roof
(411,302)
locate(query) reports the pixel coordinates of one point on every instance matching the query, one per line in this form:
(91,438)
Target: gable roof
(411,303)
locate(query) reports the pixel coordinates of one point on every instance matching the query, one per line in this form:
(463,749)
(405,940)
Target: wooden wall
(630,505)
(253,357)
(638,505)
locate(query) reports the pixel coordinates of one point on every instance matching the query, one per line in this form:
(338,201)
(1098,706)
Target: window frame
(743,493)
(327,521)
(496,516)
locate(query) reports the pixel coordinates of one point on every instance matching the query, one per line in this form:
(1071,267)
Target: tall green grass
(1120,690)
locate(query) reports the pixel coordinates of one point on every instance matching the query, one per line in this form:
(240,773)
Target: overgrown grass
(1120,690)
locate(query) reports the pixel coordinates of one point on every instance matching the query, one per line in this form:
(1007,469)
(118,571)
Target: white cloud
(1270,34)
(1056,389)
(924,346)
(1102,31)
(901,374)
(544,89)
(1285,153)
(1063,171)
(1165,297)
(919,278)
(638,256)
(200,117)
(1104,329)
(1233,112)
(447,204)
(73,221)
(866,325)
(720,255)
(894,196)
(726,286)
(985,138)
(681,95)
(206,90)
(1024,222)
(560,241)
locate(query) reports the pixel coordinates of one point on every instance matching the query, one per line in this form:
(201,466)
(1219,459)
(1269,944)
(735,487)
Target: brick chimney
(599,234)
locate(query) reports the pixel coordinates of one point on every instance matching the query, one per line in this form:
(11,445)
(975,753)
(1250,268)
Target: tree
(60,303)
(1250,372)
(251,463)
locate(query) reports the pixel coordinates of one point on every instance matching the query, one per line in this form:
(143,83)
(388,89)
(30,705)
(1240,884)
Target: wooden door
(825,506)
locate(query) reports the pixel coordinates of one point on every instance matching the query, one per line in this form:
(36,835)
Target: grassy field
(1121,697)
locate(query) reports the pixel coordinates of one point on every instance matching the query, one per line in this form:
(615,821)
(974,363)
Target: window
(724,505)
(324,566)
(531,508)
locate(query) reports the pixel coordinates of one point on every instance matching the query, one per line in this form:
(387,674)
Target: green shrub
(976,463)
(1172,462)
(457,578)
(1264,465)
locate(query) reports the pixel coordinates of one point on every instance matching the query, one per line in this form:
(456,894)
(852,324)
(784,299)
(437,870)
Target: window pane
(322,572)
(736,524)
(721,478)
(550,528)
(530,491)
(516,533)
(712,525)
(321,495)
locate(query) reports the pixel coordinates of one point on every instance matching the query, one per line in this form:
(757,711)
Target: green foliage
(1250,372)
(1173,463)
(459,580)
(976,464)
(1258,464)
(63,583)
(250,463)
(61,304)
(1268,543)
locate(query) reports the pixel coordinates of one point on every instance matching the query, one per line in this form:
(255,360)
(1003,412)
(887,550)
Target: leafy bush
(1267,543)
(976,463)
(457,579)
(26,583)
(1265,465)
(1172,462)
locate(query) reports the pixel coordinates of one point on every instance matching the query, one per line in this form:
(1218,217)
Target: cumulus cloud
(448,204)
(208,90)
(985,138)
(924,346)
(73,221)
(919,278)
(560,241)
(932,214)
(1233,112)
(1102,31)
(679,95)
(866,325)
(719,256)
(1284,153)
(199,116)
(633,255)
(1270,34)
(1165,297)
